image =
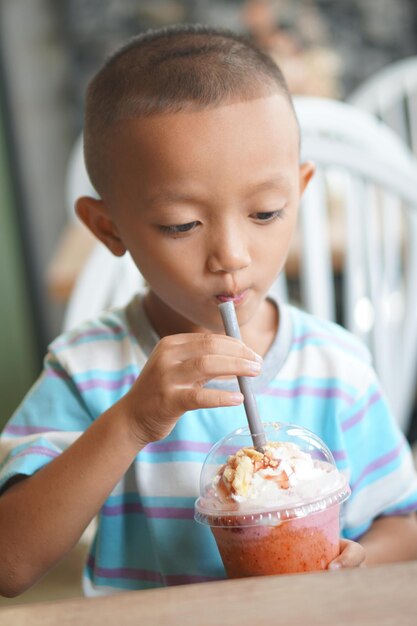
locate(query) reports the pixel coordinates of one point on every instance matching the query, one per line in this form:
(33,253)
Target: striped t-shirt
(315,374)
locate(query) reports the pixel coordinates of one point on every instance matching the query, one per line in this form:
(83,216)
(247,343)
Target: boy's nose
(228,252)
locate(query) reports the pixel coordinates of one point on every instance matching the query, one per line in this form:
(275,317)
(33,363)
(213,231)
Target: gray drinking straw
(228,313)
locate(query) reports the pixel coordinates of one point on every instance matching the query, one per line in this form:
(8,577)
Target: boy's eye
(268,216)
(177,229)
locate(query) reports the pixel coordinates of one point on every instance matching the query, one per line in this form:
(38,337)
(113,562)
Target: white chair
(373,176)
(105,281)
(391,95)
(77,180)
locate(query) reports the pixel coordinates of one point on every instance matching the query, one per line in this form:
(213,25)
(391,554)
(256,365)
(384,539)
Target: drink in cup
(275,510)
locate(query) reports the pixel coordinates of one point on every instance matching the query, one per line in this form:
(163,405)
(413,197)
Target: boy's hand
(172,381)
(352,554)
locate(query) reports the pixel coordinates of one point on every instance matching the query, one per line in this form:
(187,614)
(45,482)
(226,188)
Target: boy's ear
(307,171)
(95,216)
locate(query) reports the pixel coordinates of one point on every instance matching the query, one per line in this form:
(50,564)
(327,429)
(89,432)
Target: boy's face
(206,202)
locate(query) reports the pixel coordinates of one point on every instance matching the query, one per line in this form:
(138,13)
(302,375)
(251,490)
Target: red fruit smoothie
(273,510)
(304,544)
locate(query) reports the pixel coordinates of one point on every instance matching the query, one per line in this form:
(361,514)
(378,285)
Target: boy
(192,143)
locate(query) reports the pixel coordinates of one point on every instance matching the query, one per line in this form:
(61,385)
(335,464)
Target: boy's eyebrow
(274,183)
(166,197)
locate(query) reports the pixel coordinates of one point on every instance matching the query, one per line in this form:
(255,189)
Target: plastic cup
(298,531)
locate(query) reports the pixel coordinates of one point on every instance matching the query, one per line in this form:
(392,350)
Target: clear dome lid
(300,479)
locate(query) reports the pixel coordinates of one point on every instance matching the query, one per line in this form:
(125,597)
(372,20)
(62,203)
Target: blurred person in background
(297,39)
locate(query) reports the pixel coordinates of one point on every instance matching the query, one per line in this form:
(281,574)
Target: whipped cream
(283,475)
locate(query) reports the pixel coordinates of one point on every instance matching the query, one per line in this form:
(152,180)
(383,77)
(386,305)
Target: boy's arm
(42,517)
(390,539)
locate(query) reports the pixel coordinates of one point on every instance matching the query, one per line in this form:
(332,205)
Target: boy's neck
(258,334)
(261,333)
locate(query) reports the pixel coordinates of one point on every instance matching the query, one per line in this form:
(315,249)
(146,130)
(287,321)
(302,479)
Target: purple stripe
(410,508)
(331,338)
(89,333)
(14,429)
(36,450)
(128,573)
(357,417)
(184,445)
(121,509)
(94,383)
(161,512)
(156,512)
(385,459)
(51,373)
(201,446)
(133,573)
(186,579)
(100,383)
(339,455)
(308,391)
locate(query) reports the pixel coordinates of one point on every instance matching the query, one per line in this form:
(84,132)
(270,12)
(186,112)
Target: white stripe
(98,355)
(412,490)
(60,440)
(127,484)
(168,479)
(381,494)
(93,591)
(326,363)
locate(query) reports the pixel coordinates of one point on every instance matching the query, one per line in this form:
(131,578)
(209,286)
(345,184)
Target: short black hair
(170,70)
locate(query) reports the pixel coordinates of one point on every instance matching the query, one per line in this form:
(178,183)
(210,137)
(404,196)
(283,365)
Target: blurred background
(49,49)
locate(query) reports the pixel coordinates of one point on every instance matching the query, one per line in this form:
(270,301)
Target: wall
(35,66)
(18,361)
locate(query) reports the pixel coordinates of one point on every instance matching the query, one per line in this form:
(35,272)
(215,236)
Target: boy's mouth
(236,298)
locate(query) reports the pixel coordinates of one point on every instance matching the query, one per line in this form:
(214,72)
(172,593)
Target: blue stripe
(360,406)
(317,382)
(356,532)
(375,474)
(171,457)
(149,501)
(111,375)
(118,583)
(407,505)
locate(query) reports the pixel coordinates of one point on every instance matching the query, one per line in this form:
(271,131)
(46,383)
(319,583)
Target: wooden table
(379,596)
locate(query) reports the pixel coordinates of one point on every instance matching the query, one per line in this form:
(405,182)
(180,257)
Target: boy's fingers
(200,398)
(204,368)
(352,554)
(191,345)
